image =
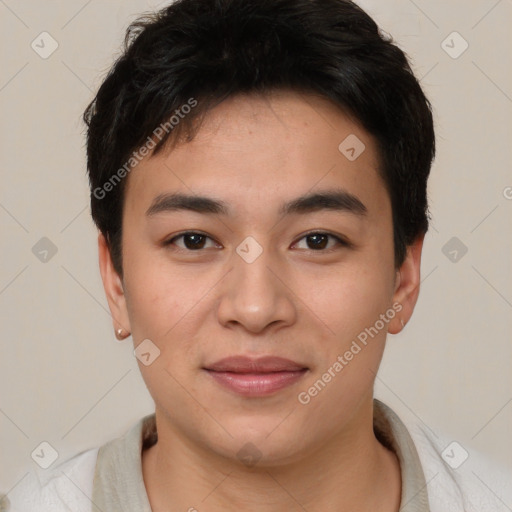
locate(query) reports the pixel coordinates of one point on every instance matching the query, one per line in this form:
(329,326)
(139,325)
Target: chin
(262,440)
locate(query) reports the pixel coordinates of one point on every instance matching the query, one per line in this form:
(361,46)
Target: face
(270,299)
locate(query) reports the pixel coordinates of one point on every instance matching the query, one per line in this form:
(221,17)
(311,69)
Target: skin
(293,301)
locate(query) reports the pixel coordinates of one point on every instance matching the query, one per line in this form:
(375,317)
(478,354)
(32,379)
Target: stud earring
(119,334)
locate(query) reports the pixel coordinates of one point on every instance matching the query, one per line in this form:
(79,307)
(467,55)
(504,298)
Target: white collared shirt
(109,478)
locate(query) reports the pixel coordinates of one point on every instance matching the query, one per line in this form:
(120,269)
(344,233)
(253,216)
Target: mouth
(255,377)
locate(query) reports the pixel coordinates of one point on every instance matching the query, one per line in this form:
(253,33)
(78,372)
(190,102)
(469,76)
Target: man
(258,176)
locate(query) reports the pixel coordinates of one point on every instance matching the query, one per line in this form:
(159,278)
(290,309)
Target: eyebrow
(336,200)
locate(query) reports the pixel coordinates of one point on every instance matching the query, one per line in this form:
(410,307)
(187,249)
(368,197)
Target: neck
(351,471)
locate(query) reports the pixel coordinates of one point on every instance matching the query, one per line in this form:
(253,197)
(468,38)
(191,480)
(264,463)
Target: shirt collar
(392,433)
(118,483)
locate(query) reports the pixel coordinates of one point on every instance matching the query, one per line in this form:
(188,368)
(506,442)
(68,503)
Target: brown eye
(319,241)
(192,241)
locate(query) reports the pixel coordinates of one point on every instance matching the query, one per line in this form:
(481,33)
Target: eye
(192,241)
(319,241)
(316,241)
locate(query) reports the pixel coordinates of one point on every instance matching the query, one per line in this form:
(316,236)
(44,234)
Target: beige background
(64,378)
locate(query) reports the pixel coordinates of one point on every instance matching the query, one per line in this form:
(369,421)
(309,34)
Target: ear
(113,286)
(407,287)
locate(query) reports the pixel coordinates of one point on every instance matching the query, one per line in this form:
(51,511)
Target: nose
(255,295)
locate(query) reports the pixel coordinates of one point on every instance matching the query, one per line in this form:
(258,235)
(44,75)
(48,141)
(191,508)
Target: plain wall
(64,377)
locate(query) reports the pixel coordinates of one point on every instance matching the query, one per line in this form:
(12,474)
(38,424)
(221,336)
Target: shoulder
(65,487)
(460,478)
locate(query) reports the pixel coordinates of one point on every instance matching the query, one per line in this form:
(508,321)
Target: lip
(255,377)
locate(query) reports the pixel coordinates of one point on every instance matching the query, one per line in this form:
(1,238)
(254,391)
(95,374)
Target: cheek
(169,307)
(155,297)
(154,287)
(349,306)
(347,299)
(147,305)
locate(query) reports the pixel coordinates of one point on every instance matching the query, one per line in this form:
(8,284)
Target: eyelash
(340,241)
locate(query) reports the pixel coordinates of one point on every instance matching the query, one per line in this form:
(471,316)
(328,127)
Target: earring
(119,334)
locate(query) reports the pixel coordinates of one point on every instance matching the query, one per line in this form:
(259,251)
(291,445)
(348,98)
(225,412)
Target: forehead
(262,149)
